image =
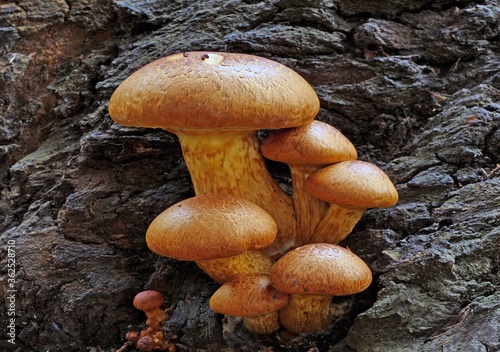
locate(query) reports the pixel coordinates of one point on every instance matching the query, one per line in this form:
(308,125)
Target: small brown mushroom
(146,343)
(215,103)
(351,187)
(150,302)
(132,337)
(306,149)
(221,233)
(312,275)
(251,297)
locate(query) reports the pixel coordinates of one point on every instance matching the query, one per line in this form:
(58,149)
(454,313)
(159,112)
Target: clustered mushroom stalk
(306,149)
(337,224)
(310,210)
(306,313)
(222,270)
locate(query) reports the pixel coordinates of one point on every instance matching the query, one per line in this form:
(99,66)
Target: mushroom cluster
(259,243)
(152,338)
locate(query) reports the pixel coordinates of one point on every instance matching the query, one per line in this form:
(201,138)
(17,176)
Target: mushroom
(312,275)
(215,103)
(146,343)
(351,187)
(306,149)
(221,233)
(251,297)
(132,337)
(150,302)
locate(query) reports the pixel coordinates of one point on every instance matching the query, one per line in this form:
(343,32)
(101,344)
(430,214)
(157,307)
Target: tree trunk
(415,85)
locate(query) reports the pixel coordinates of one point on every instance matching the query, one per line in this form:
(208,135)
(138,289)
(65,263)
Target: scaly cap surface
(212,90)
(210,226)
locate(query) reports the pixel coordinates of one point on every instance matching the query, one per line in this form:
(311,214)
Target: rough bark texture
(413,84)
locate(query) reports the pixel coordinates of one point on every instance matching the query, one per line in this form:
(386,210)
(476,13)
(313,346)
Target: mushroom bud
(215,103)
(351,187)
(312,275)
(251,297)
(132,337)
(146,343)
(306,149)
(221,233)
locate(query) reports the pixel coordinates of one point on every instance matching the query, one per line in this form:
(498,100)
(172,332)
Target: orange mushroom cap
(354,184)
(248,295)
(211,90)
(320,269)
(210,226)
(316,143)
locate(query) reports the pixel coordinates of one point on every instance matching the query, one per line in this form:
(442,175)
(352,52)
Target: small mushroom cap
(214,90)
(354,184)
(148,300)
(316,143)
(210,226)
(320,269)
(248,295)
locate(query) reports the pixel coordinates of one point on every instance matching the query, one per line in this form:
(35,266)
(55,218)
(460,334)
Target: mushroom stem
(306,313)
(222,270)
(263,324)
(309,209)
(336,224)
(229,162)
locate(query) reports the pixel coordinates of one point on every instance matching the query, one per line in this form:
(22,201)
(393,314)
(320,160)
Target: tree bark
(415,85)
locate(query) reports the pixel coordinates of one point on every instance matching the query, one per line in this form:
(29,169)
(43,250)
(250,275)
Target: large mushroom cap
(354,183)
(210,226)
(248,295)
(316,143)
(320,269)
(198,90)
